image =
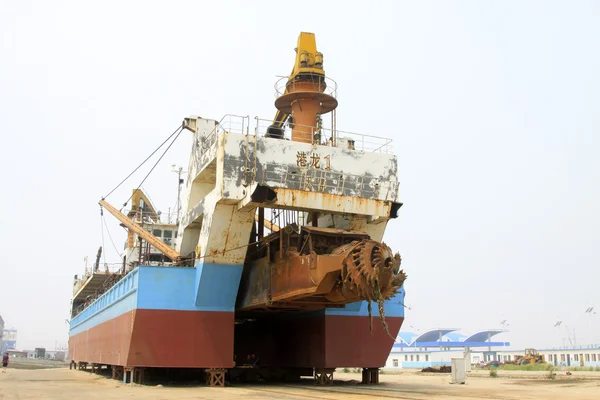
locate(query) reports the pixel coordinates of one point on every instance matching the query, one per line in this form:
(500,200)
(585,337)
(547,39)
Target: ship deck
(90,285)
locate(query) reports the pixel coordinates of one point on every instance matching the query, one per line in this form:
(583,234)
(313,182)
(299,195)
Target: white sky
(493,108)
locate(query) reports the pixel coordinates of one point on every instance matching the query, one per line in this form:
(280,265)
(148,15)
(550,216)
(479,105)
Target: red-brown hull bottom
(196,339)
(159,338)
(317,341)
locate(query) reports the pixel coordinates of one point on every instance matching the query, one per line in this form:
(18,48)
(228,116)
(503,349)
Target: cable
(102,229)
(111,239)
(139,166)
(180,129)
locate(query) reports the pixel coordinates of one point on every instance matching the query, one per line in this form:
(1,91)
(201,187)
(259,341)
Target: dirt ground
(62,383)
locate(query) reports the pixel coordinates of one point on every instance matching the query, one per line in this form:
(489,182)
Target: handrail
(362,142)
(240,124)
(281,85)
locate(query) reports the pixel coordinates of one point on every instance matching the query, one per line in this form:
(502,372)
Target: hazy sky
(493,108)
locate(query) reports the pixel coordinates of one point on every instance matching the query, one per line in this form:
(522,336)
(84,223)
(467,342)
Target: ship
(276,266)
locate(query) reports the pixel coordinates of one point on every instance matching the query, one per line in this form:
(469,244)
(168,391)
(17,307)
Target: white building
(438,347)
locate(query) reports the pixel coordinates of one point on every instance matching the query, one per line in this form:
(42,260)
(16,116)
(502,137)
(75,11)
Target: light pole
(179,172)
(504,323)
(557,325)
(590,311)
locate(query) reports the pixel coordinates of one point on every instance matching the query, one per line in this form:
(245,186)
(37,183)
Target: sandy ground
(61,383)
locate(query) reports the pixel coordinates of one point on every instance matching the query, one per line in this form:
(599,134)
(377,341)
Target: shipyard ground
(62,383)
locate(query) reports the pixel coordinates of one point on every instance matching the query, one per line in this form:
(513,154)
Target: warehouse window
(576,357)
(562,357)
(417,357)
(411,357)
(405,358)
(395,362)
(593,357)
(587,357)
(426,357)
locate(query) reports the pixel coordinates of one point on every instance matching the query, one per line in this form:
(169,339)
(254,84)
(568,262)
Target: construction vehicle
(531,357)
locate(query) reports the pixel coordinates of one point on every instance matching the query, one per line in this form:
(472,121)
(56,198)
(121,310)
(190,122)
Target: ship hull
(155,317)
(158,317)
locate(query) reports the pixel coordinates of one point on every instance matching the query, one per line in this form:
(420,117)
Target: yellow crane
(305,85)
(141,232)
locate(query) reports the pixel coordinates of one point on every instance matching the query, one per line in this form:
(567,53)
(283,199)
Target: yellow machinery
(304,99)
(136,228)
(531,357)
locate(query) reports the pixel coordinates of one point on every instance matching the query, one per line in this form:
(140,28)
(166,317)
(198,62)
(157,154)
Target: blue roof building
(448,338)
(437,347)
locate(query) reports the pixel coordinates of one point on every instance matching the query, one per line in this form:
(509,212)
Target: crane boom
(141,232)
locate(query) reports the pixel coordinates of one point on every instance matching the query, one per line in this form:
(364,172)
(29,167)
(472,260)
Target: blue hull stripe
(207,287)
(393,308)
(121,306)
(217,286)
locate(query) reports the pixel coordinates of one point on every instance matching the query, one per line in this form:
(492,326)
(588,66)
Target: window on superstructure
(395,362)
(168,234)
(157,232)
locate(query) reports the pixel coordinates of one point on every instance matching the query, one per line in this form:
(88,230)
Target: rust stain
(305,200)
(313,267)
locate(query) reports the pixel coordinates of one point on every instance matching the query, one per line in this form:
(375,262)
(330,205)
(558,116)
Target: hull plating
(184,317)
(159,338)
(322,341)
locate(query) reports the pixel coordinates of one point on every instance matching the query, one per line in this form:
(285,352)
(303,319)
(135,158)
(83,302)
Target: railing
(103,268)
(232,123)
(328,137)
(323,136)
(114,289)
(328,85)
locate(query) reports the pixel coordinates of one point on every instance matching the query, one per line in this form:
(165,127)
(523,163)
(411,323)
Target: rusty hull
(332,203)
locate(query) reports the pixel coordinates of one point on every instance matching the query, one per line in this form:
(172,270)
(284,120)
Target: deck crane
(136,228)
(303,90)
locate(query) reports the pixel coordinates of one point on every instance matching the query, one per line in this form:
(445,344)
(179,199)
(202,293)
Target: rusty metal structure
(276,260)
